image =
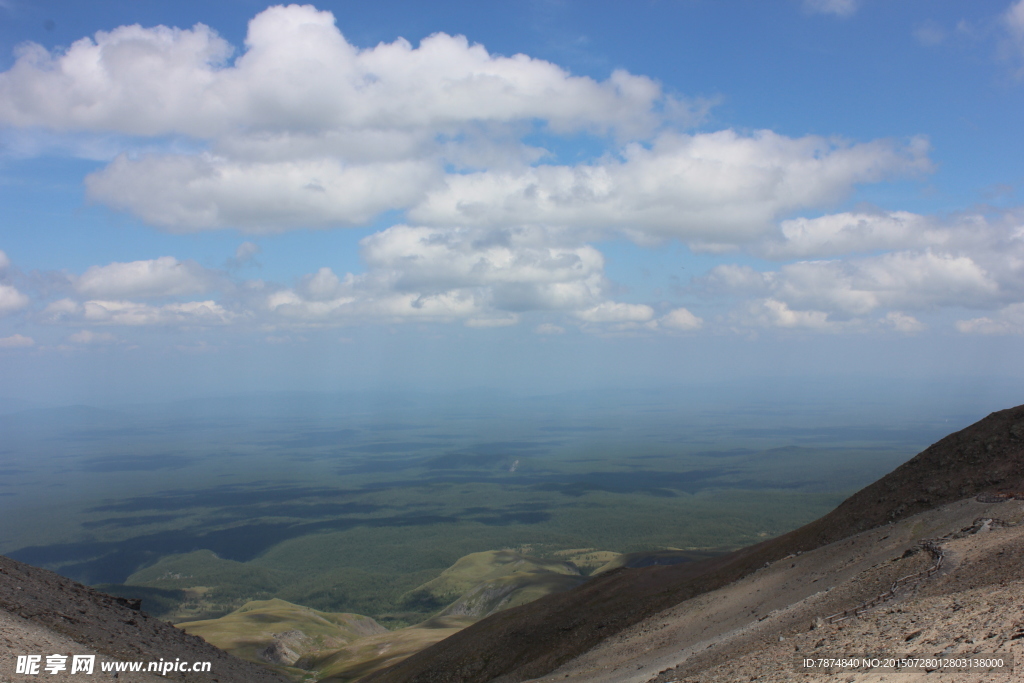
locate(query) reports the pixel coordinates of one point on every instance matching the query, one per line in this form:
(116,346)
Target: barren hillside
(42,613)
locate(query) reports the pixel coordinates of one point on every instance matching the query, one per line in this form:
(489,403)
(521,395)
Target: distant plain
(347,502)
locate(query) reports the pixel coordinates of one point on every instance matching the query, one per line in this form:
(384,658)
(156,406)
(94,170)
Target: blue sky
(214,197)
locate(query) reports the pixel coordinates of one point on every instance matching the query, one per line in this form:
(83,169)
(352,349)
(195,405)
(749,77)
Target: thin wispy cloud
(839,8)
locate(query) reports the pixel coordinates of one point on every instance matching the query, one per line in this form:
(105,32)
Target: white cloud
(189,193)
(840,8)
(901,322)
(614,312)
(5,262)
(131,313)
(902,279)
(831,285)
(324,285)
(164,276)
(927,279)
(90,337)
(734,278)
(500,321)
(775,313)
(11,299)
(708,189)
(515,270)
(485,278)
(846,233)
(16,341)
(681,319)
(1009,320)
(380,304)
(303,129)
(1014,20)
(419,257)
(549,328)
(298,72)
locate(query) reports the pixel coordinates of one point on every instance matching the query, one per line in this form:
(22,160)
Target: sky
(205,198)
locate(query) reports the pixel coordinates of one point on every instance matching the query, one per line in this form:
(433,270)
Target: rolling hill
(301,642)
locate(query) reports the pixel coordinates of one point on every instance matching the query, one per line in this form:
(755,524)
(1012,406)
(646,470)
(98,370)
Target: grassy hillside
(303,642)
(488,573)
(282,635)
(364,656)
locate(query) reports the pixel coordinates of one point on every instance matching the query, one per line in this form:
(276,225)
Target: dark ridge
(534,639)
(115,626)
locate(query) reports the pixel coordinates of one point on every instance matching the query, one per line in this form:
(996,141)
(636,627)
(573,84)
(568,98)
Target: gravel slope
(42,605)
(754,628)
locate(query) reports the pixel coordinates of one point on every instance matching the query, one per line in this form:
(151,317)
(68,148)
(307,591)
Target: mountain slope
(534,639)
(112,626)
(752,627)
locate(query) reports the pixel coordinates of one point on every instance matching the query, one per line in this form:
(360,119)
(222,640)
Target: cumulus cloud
(298,72)
(1009,320)
(5,262)
(132,313)
(614,312)
(11,299)
(835,291)
(484,279)
(164,276)
(16,341)
(846,233)
(518,266)
(189,193)
(901,322)
(897,279)
(389,305)
(680,319)
(775,313)
(303,129)
(840,8)
(707,189)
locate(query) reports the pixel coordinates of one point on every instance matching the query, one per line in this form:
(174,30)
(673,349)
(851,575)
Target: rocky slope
(533,640)
(44,613)
(836,601)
